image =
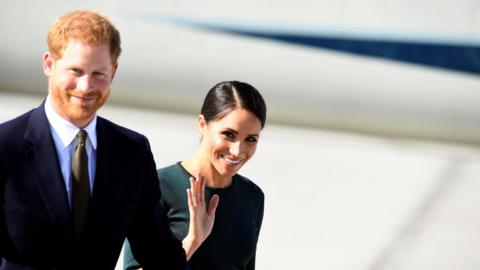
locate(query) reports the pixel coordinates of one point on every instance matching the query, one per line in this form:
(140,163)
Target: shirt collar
(66,130)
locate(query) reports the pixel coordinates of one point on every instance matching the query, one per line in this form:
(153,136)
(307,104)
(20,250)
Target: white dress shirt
(63,133)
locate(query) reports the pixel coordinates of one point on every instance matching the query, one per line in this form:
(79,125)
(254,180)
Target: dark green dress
(232,243)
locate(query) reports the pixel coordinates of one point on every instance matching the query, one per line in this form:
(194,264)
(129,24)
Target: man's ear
(48,63)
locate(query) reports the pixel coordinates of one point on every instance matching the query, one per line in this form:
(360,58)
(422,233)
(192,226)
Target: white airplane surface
(400,68)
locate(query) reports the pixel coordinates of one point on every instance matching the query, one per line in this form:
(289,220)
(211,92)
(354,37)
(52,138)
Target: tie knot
(81,136)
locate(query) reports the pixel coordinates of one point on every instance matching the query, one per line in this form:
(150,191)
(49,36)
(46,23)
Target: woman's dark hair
(227,96)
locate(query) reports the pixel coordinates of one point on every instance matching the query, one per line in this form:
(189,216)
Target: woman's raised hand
(201,218)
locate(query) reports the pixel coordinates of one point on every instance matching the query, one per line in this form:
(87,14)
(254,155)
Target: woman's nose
(235,149)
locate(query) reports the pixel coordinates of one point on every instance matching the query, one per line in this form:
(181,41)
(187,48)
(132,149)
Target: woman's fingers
(193,191)
(197,185)
(213,205)
(202,184)
(196,200)
(190,200)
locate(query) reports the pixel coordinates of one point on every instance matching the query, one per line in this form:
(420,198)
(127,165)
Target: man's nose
(84,83)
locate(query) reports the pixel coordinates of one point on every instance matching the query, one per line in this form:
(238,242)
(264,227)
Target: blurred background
(370,158)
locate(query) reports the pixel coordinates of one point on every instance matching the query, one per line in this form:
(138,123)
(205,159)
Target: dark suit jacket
(35,224)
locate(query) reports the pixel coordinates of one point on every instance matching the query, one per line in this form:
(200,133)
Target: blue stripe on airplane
(455,55)
(464,58)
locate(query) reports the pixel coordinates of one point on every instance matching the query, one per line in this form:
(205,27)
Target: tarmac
(335,200)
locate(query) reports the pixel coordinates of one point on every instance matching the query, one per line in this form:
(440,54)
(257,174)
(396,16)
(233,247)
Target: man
(72,184)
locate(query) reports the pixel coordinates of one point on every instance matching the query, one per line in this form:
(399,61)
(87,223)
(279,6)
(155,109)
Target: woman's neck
(198,163)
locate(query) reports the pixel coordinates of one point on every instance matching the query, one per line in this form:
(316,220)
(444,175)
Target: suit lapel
(107,171)
(101,214)
(48,178)
(105,160)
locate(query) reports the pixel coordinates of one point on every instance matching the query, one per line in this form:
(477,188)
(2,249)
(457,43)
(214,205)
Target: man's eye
(75,70)
(99,75)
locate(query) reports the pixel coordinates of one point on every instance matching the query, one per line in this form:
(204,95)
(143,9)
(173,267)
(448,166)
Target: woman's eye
(251,139)
(229,134)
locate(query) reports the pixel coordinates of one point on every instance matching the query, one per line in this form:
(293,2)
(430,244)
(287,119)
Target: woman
(232,117)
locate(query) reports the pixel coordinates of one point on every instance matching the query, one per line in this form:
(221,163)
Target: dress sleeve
(260,214)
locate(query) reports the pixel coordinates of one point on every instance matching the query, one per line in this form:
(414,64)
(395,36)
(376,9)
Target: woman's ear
(202,123)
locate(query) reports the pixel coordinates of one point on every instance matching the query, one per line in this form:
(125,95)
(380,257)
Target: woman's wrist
(190,245)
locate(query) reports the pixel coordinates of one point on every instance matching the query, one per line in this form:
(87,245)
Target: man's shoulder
(12,134)
(13,126)
(117,131)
